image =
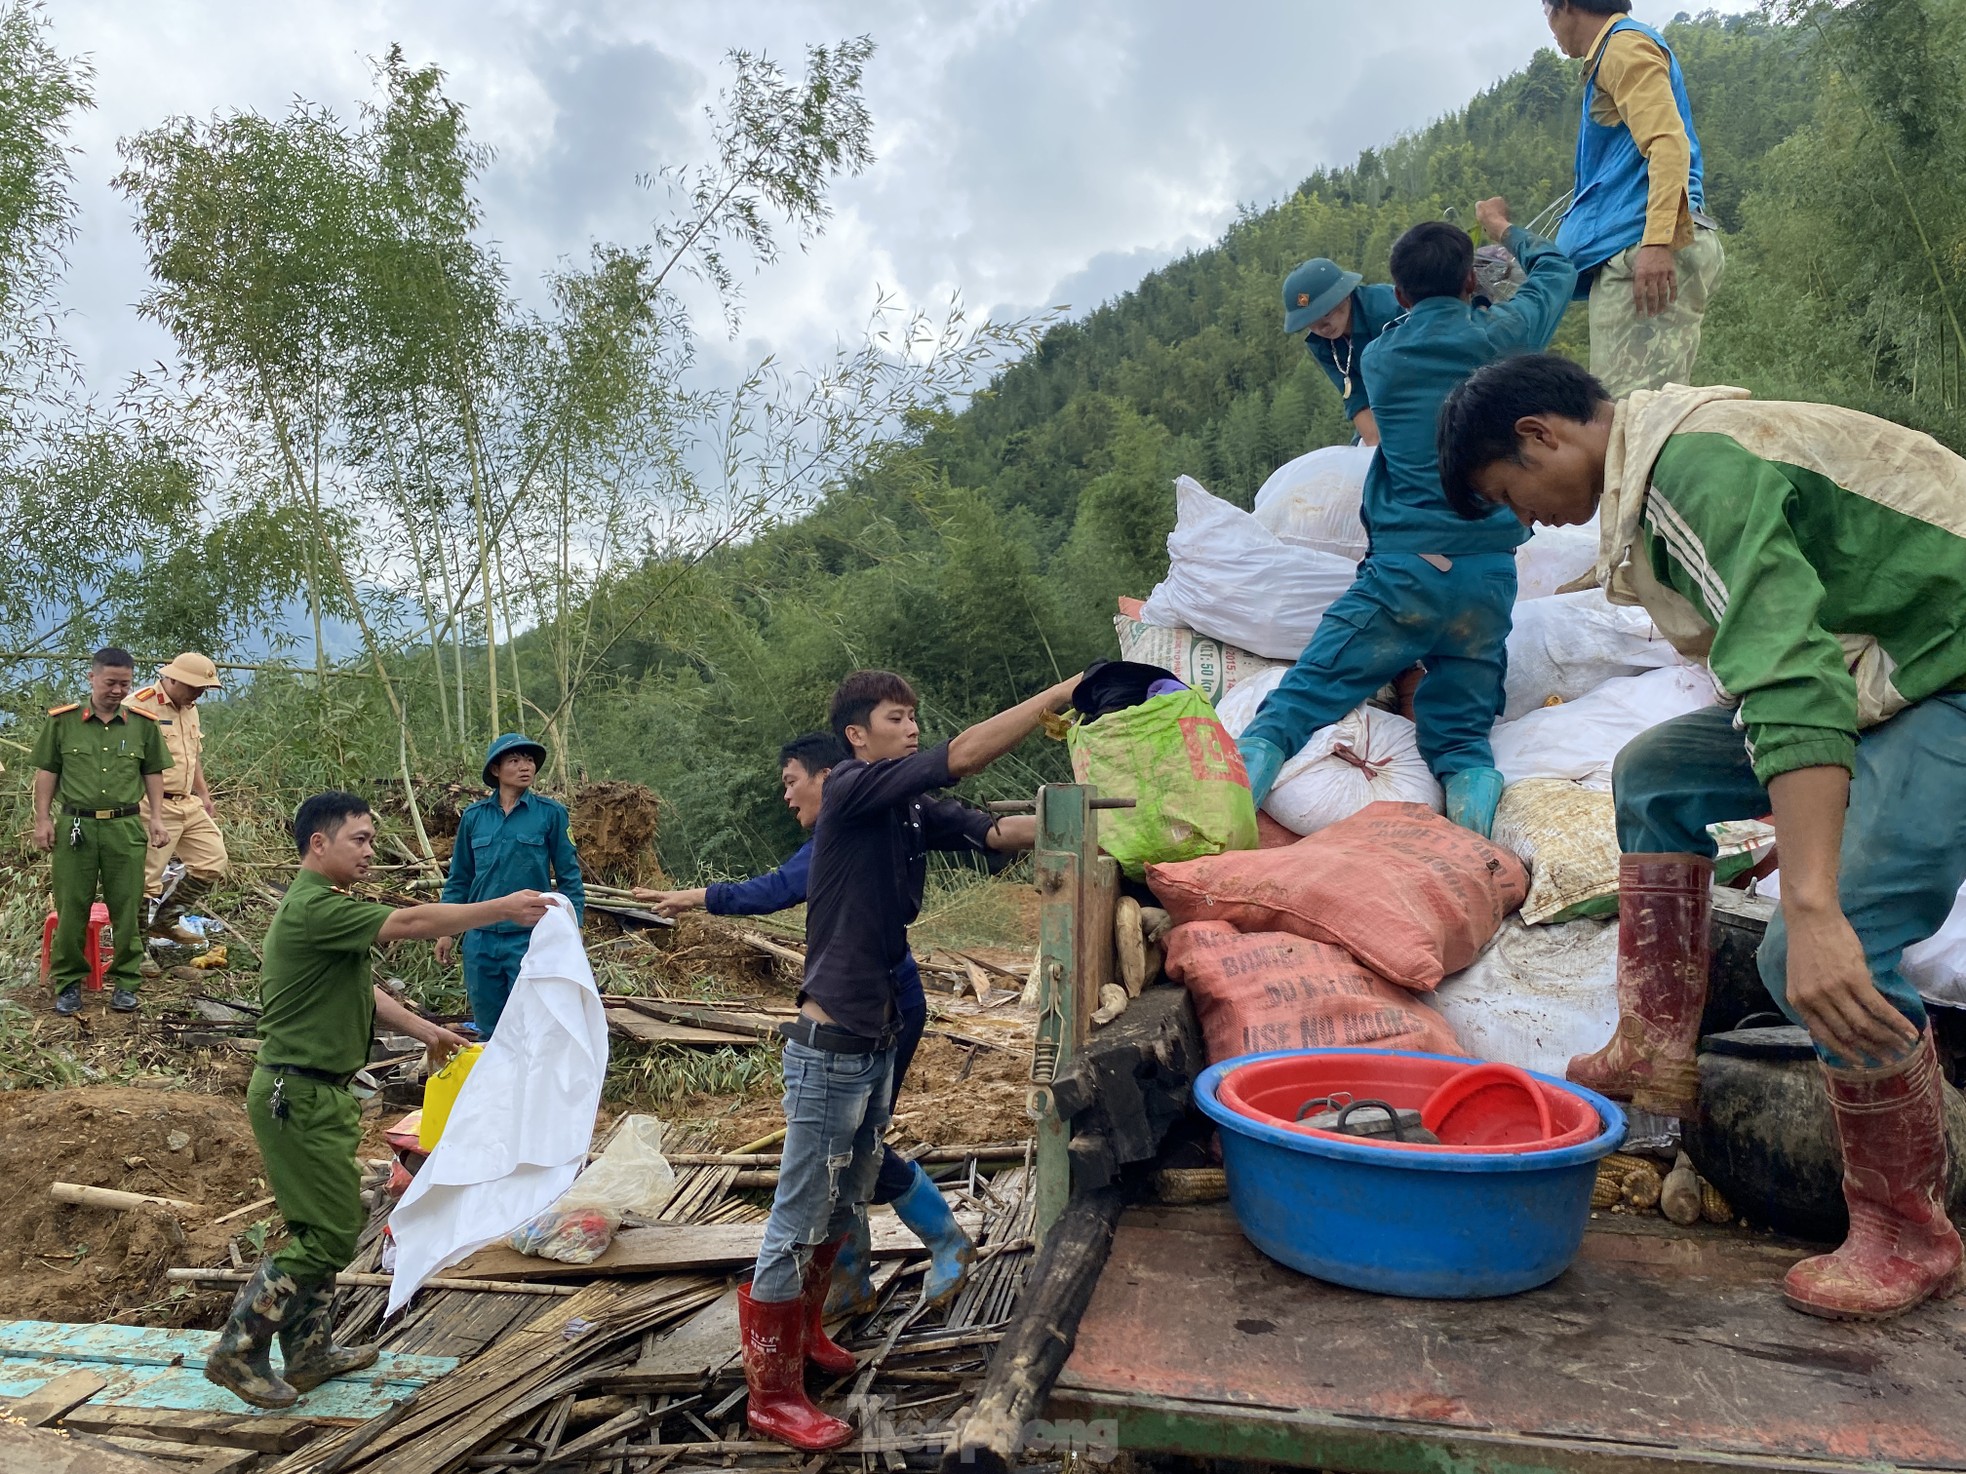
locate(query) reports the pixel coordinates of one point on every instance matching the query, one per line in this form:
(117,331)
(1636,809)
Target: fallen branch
(350,1278)
(242,1212)
(109,1197)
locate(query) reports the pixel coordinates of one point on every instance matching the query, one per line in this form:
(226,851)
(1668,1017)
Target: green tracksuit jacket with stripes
(1813,556)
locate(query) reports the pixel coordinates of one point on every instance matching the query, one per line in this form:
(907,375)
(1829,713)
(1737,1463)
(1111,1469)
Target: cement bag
(1313,501)
(1372,756)
(1537,996)
(1212,668)
(1173,758)
(1937,965)
(1567,645)
(1410,895)
(1230,578)
(1553,557)
(630,1176)
(1269,990)
(1579,740)
(1568,837)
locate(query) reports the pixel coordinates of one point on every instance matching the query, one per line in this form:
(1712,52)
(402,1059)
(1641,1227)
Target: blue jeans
(491,966)
(897,1173)
(1904,838)
(836,1108)
(1401,610)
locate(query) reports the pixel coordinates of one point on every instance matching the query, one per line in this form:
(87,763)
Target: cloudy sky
(1030,152)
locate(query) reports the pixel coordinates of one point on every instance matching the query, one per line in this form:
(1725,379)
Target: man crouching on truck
(1816,558)
(869,861)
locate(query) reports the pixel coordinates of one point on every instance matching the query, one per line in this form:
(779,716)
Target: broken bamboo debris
(991,1151)
(82,1196)
(354,1278)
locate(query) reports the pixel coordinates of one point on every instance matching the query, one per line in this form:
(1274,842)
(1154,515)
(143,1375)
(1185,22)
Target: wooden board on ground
(1659,1349)
(633,1025)
(263,1433)
(47,1451)
(53,1401)
(672,1248)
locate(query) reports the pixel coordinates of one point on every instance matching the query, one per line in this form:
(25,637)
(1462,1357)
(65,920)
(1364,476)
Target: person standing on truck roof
(804,764)
(318,1010)
(190,817)
(875,828)
(1816,559)
(511,839)
(1649,256)
(1338,319)
(102,760)
(1432,587)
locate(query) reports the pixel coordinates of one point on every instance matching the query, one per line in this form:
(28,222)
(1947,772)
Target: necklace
(1345,368)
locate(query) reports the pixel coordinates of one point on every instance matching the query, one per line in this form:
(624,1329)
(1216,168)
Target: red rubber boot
(1665,906)
(773,1334)
(1902,1248)
(821,1350)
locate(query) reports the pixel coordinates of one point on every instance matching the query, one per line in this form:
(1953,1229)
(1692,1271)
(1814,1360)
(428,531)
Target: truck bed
(1659,1349)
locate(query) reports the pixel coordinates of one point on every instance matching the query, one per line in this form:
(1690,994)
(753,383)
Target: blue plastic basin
(1433,1224)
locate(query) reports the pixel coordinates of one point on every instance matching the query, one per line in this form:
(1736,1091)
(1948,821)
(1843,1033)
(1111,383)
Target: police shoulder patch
(142,712)
(59,711)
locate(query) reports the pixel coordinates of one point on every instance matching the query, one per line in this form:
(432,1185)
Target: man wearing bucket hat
(511,840)
(190,817)
(1336,317)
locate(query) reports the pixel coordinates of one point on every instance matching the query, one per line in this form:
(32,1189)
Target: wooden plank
(267,1435)
(747,1025)
(49,1451)
(673,1248)
(53,1401)
(692,1353)
(1654,1350)
(630,1024)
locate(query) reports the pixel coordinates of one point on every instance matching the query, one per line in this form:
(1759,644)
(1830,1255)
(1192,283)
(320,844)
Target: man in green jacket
(1816,559)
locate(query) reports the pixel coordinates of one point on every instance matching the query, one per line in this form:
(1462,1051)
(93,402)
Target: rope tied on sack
(1365,764)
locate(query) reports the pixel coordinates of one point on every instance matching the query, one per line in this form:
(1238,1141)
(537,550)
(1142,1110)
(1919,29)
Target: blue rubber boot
(850,1291)
(1473,794)
(921,1207)
(1263,760)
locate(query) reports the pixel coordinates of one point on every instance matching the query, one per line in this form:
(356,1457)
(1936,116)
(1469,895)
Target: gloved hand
(1263,760)
(1473,794)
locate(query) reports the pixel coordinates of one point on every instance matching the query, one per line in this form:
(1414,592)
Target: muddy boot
(925,1211)
(852,1289)
(307,1342)
(189,890)
(1665,906)
(773,1335)
(821,1351)
(239,1361)
(1902,1248)
(69,1000)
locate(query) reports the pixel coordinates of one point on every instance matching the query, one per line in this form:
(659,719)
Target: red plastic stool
(93,951)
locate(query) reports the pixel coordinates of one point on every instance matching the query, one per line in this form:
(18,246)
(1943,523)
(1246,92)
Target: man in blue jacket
(803,764)
(1338,319)
(512,839)
(1432,587)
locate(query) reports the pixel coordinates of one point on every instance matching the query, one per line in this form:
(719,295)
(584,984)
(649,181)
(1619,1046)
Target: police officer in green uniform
(319,1007)
(101,761)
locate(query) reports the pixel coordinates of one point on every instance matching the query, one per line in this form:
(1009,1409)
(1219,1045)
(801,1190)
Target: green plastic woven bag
(1173,757)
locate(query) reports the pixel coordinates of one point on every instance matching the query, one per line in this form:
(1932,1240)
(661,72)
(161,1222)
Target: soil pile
(614,827)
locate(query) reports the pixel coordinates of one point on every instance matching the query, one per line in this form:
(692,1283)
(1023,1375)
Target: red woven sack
(1255,991)
(1411,895)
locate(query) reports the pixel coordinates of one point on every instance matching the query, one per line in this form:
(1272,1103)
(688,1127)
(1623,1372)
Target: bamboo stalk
(350,1278)
(109,1197)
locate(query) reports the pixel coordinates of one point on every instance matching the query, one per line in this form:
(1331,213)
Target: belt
(326,1077)
(177,795)
(834,1040)
(123,813)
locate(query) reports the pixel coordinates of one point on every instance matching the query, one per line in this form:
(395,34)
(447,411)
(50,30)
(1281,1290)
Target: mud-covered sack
(1411,895)
(1255,991)
(1210,666)
(1567,835)
(1172,756)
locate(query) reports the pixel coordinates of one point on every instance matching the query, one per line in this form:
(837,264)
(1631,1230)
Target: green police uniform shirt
(98,764)
(316,986)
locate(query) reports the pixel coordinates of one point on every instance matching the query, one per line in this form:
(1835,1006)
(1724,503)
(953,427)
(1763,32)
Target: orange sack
(1410,894)
(1255,991)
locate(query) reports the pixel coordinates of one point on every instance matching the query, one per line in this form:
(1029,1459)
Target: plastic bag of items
(1313,502)
(630,1176)
(1579,740)
(1370,756)
(1231,578)
(1567,645)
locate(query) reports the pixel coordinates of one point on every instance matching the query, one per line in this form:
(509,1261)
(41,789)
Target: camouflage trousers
(1629,352)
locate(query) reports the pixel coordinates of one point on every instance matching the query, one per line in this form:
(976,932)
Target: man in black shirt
(870,859)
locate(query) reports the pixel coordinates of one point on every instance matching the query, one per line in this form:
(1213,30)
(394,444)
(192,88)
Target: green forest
(379,435)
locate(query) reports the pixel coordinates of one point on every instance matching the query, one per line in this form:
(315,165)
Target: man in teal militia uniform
(319,1007)
(101,762)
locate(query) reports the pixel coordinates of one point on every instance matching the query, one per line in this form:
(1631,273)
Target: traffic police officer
(189,815)
(100,760)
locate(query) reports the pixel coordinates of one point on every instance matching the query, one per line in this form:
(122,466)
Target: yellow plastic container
(440,1094)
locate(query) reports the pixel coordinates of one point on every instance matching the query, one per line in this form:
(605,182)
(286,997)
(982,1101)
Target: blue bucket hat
(1312,290)
(505,746)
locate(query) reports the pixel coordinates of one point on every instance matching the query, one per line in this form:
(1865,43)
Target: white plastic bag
(1553,557)
(1567,645)
(1937,965)
(1211,667)
(1231,579)
(1314,500)
(1537,996)
(1370,756)
(629,1176)
(1580,739)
